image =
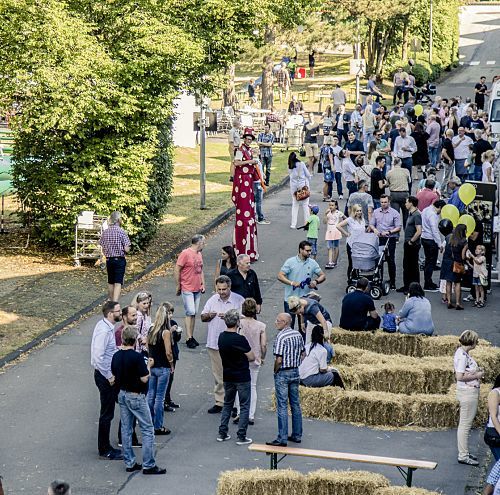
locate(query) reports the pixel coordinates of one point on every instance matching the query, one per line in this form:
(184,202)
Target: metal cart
(88,230)
(293,132)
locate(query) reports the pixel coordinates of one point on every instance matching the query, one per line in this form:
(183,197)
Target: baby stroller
(368,261)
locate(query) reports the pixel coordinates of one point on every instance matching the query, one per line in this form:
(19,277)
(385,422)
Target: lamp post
(203,136)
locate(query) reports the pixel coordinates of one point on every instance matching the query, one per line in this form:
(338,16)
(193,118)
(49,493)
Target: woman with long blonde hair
(159,342)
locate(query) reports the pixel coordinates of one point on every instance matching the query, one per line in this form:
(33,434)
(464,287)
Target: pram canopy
(365,251)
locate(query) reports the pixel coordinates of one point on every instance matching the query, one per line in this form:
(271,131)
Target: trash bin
(301,73)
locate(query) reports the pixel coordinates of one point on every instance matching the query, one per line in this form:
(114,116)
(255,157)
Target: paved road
(49,403)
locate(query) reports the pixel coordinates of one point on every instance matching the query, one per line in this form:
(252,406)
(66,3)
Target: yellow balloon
(451,213)
(469,222)
(419,110)
(467,193)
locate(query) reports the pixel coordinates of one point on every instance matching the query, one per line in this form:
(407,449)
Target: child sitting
(389,318)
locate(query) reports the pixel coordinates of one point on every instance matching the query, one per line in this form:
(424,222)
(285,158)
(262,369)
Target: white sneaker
(220,438)
(263,222)
(341,196)
(244,441)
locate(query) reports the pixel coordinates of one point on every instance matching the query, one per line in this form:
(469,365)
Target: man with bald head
(288,353)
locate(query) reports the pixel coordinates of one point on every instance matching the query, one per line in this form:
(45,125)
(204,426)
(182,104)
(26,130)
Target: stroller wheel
(375,292)
(350,288)
(386,288)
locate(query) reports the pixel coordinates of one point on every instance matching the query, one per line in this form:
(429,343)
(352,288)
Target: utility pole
(430,33)
(358,56)
(203,174)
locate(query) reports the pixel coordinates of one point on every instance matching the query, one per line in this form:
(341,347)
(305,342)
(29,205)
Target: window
(495,111)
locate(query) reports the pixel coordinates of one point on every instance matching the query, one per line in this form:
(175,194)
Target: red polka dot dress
(245,228)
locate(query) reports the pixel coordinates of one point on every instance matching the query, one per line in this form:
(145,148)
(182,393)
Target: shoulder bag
(491,437)
(302,192)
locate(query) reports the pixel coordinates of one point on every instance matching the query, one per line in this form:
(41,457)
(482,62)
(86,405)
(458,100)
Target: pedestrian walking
(213,314)
(404,147)
(448,159)
(288,351)
(310,133)
(462,146)
(103,348)
(299,179)
(434,141)
(332,235)
(300,274)
(386,224)
(190,282)
(398,181)
(312,63)
(244,280)
(411,248)
(235,354)
(480,90)
(226,262)
(431,242)
(115,243)
(132,375)
(283,81)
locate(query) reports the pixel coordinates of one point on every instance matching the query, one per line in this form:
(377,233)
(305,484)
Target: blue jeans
(407,163)
(158,382)
(496,452)
(132,406)
(367,139)
(286,384)
(338,180)
(258,193)
(266,165)
(243,389)
(433,155)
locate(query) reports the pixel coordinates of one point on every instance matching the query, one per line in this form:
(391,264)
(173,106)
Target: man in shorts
(115,243)
(310,133)
(190,281)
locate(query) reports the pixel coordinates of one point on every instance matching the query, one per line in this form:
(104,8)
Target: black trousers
(411,271)
(108,395)
(431,251)
(390,256)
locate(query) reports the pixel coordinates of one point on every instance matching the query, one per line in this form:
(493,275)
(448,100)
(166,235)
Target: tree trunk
(382,55)
(228,93)
(267,95)
(404,50)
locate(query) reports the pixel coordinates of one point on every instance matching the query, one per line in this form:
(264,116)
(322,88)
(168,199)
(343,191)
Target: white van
(494,111)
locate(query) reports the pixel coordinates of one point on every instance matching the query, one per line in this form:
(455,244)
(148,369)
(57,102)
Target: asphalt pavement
(49,403)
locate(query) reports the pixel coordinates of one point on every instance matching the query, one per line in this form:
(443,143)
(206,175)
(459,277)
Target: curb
(220,219)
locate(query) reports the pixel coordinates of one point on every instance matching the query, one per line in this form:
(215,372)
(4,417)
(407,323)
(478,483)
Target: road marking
(490,62)
(474,63)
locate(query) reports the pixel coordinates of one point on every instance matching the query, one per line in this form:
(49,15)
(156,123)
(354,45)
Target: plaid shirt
(113,241)
(283,78)
(494,475)
(289,344)
(266,138)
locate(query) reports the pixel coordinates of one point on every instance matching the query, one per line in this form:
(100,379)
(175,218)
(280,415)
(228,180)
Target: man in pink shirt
(434,131)
(427,195)
(190,281)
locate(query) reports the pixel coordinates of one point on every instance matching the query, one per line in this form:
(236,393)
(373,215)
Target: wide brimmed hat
(248,132)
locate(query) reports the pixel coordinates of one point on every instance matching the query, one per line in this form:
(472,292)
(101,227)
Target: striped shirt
(289,345)
(113,241)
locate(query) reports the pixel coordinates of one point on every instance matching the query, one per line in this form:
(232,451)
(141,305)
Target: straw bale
(326,482)
(403,490)
(396,343)
(386,410)
(263,482)
(489,359)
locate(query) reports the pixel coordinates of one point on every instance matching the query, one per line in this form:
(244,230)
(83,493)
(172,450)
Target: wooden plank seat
(405,466)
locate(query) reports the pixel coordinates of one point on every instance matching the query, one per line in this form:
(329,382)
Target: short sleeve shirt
(376,176)
(311,134)
(234,137)
(313,227)
(191,272)
(289,345)
(314,361)
(298,270)
(232,350)
(128,367)
(414,219)
(464,362)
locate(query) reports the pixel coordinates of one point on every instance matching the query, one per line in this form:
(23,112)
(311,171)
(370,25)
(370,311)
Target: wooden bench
(410,464)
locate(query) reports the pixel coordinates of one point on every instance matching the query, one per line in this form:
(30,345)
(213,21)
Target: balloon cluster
(466,193)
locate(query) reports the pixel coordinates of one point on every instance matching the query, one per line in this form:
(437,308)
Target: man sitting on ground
(358,310)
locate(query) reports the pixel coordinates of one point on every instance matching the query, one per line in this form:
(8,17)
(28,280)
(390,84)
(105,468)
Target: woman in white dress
(299,177)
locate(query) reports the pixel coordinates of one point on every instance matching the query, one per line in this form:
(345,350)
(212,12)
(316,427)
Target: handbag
(302,151)
(491,437)
(302,192)
(328,174)
(458,268)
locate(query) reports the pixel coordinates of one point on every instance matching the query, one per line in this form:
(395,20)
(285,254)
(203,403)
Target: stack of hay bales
(397,381)
(321,482)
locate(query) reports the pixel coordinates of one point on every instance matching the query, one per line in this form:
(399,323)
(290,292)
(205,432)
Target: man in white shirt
(357,121)
(462,146)
(404,147)
(434,131)
(431,241)
(213,314)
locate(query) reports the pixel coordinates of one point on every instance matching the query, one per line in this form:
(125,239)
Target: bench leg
(409,476)
(274,461)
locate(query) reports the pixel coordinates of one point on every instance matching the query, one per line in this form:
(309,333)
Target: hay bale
(396,343)
(326,482)
(489,359)
(403,490)
(265,482)
(386,410)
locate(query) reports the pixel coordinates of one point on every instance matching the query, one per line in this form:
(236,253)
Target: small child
(479,274)
(389,318)
(332,235)
(312,227)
